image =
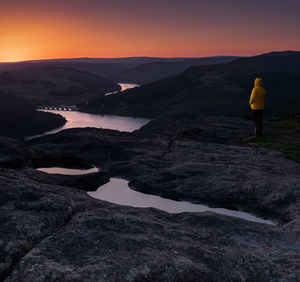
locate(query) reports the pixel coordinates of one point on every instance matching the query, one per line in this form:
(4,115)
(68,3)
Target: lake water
(77,119)
(124,86)
(118,192)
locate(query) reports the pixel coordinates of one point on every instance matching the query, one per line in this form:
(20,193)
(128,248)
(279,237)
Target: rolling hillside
(54,85)
(212,89)
(150,72)
(132,70)
(18,118)
(103,67)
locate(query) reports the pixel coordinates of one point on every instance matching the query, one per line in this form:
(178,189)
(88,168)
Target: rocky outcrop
(85,182)
(54,232)
(202,161)
(13,153)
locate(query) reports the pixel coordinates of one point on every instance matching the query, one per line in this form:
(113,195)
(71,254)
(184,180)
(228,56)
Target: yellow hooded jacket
(258,96)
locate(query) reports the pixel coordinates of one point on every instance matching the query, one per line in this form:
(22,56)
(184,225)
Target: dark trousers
(258,121)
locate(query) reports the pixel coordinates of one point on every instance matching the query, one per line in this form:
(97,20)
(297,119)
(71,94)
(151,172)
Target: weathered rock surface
(86,182)
(51,232)
(13,153)
(55,233)
(203,161)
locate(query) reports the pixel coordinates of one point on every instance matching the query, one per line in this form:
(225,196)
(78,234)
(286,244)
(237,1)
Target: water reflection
(124,86)
(67,171)
(79,120)
(118,192)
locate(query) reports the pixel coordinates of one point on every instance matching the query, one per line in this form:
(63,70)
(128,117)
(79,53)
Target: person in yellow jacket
(257,104)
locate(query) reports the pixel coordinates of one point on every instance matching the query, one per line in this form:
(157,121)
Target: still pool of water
(118,192)
(67,171)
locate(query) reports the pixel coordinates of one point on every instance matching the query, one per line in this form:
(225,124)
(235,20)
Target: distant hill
(23,88)
(150,72)
(104,67)
(136,60)
(18,118)
(212,89)
(121,69)
(54,84)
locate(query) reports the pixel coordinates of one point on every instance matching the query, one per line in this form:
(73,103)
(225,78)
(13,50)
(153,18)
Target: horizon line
(114,58)
(137,57)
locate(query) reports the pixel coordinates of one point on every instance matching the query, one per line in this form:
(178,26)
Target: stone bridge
(59,108)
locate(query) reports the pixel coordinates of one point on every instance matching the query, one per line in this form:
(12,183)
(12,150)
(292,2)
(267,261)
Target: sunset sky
(42,29)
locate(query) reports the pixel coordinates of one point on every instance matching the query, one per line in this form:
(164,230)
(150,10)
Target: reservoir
(124,86)
(77,119)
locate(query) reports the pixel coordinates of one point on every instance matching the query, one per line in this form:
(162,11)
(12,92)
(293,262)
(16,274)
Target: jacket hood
(258,82)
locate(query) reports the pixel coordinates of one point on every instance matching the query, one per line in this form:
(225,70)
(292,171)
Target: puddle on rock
(118,192)
(68,171)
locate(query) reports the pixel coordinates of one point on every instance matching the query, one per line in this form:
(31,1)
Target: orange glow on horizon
(42,31)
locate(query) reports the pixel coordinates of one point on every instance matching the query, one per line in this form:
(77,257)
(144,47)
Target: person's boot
(252,137)
(259,132)
(255,132)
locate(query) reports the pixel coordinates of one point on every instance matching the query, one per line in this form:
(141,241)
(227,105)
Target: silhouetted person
(257,104)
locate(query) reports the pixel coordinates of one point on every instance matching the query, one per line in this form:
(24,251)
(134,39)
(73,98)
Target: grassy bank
(283,136)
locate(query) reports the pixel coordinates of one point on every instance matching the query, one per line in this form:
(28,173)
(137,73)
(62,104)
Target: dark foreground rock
(55,233)
(51,232)
(13,153)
